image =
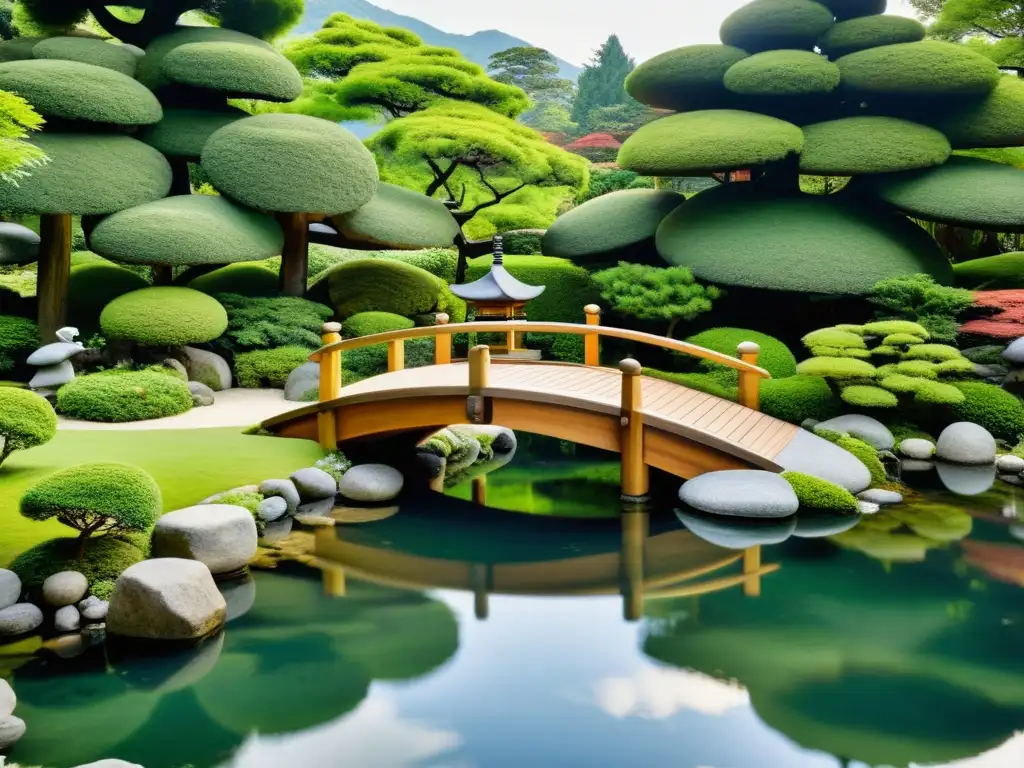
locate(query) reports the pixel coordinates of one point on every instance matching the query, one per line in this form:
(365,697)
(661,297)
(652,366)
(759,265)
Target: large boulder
(966,443)
(221,536)
(10,588)
(371,483)
(314,484)
(741,493)
(871,431)
(283,488)
(1014,353)
(208,368)
(65,588)
(19,619)
(301,382)
(8,701)
(166,599)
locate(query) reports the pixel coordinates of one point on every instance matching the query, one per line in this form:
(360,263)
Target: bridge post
(478,409)
(635,475)
(592,342)
(396,355)
(750,383)
(330,388)
(752,569)
(442,342)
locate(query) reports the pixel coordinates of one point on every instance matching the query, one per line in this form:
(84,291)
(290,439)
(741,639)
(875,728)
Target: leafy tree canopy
(534,70)
(17,156)
(603,81)
(992,27)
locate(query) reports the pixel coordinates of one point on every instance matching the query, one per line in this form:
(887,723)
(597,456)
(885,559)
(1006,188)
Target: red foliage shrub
(1008,320)
(595,141)
(554,137)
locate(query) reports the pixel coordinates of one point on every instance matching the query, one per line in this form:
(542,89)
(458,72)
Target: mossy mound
(775,356)
(798,398)
(291,163)
(783,73)
(397,218)
(696,143)
(89,175)
(75,91)
(929,68)
(815,493)
(246,279)
(239,70)
(996,120)
(802,243)
(184,132)
(858,145)
(118,492)
(370,323)
(611,227)
(149,71)
(92,286)
(965,191)
(993,273)
(106,558)
(185,230)
(374,285)
(772,24)
(686,78)
(849,9)
(86,50)
(19,338)
(26,420)
(18,49)
(998,411)
(164,316)
(117,397)
(867,32)
(864,396)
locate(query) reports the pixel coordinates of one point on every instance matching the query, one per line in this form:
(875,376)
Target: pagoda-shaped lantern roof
(497,285)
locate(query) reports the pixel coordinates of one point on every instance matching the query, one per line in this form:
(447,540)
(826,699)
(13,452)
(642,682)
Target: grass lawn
(189,465)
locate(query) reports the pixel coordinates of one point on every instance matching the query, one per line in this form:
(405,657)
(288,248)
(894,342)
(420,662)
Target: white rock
(67,619)
(96,610)
(966,443)
(11,730)
(272,508)
(20,619)
(871,431)
(10,588)
(741,493)
(916,465)
(65,588)
(880,497)
(301,382)
(221,536)
(371,483)
(868,508)
(1015,352)
(166,599)
(967,479)
(285,489)
(1010,464)
(53,354)
(110,764)
(8,701)
(916,448)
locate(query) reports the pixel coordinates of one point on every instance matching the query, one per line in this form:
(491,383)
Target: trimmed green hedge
(997,120)
(88,51)
(568,288)
(798,398)
(268,368)
(377,285)
(815,493)
(370,323)
(992,407)
(769,24)
(106,558)
(399,218)
(184,132)
(866,32)
(26,420)
(992,273)
(926,68)
(164,316)
(862,396)
(857,145)
(239,70)
(782,73)
(150,69)
(244,279)
(91,287)
(686,78)
(775,356)
(121,396)
(269,323)
(19,338)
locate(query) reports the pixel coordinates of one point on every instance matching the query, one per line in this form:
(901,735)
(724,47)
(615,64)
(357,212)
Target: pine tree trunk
(295,254)
(54,272)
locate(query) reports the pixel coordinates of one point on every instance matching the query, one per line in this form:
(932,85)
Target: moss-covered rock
(239,70)
(865,32)
(992,273)
(619,226)
(106,558)
(936,353)
(696,143)
(245,279)
(87,50)
(686,78)
(858,145)
(833,337)
(815,493)
(19,49)
(26,420)
(889,327)
(184,132)
(92,286)
(798,240)
(929,68)
(370,323)
(186,230)
(123,396)
(374,285)
(770,24)
(782,73)
(397,218)
(995,120)
(849,9)
(291,163)
(164,316)
(838,368)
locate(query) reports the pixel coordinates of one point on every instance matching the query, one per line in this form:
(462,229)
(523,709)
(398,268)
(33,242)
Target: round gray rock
(166,599)
(880,496)
(20,619)
(202,395)
(93,609)
(301,382)
(871,431)
(371,483)
(285,489)
(8,701)
(1015,352)
(278,531)
(207,368)
(67,619)
(1010,464)
(916,448)
(53,376)
(176,367)
(11,730)
(741,493)
(222,537)
(65,588)
(272,508)
(10,588)
(111,763)
(18,244)
(53,354)
(314,484)
(966,443)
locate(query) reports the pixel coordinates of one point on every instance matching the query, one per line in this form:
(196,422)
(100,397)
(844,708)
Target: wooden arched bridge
(650,422)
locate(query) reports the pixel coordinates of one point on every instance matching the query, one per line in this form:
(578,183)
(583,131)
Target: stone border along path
(231,408)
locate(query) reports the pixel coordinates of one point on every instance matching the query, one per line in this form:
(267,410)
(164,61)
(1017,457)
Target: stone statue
(54,363)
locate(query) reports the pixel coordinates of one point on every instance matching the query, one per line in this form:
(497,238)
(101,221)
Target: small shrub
(936,353)
(658,294)
(833,337)
(104,559)
(370,323)
(815,493)
(798,398)
(569,349)
(373,360)
(268,323)
(920,299)
(522,244)
(249,501)
(165,316)
(992,407)
(268,368)
(710,383)
(775,356)
(377,285)
(244,279)
(861,396)
(26,420)
(92,286)
(934,393)
(838,368)
(987,354)
(335,464)
(919,368)
(124,395)
(19,338)
(891,327)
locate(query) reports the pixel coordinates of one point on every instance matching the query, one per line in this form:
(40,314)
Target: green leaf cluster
(19,338)
(918,298)
(268,368)
(659,294)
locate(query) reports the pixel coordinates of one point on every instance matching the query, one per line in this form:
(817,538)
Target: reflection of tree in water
(907,533)
(298,659)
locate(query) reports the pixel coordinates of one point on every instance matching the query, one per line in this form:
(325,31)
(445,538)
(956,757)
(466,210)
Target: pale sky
(572,29)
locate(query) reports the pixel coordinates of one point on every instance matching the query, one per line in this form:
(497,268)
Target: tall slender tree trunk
(181,180)
(672,327)
(54,271)
(295,254)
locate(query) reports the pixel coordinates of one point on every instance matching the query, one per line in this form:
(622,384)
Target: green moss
(867,456)
(568,288)
(927,68)
(798,398)
(268,323)
(245,279)
(850,328)
(986,354)
(815,493)
(906,430)
(960,366)
(26,420)
(88,51)
(839,368)
(369,323)
(164,316)
(996,120)
(886,351)
(901,340)
(934,393)
(239,70)
(685,78)
(936,353)
(150,69)
(184,132)
(91,287)
(374,285)
(966,191)
(782,73)
(290,163)
(857,145)
(18,49)
(799,240)
(19,338)
(861,396)
(768,24)
(774,357)
(249,501)
(890,327)
(992,407)
(992,273)
(401,219)
(106,558)
(920,368)
(611,227)
(695,143)
(75,91)
(872,31)
(263,368)
(833,337)
(89,174)
(187,230)
(124,396)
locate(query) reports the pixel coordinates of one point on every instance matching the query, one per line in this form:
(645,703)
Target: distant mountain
(477,47)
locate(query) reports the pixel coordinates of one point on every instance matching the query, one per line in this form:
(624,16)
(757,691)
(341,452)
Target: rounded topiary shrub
(376,285)
(26,420)
(245,279)
(103,560)
(268,368)
(775,356)
(370,323)
(164,316)
(798,398)
(120,396)
(992,407)
(92,286)
(19,337)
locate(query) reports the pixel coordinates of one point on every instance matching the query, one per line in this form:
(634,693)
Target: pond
(583,634)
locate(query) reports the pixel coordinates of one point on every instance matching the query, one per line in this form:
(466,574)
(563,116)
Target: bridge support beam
(592,342)
(442,342)
(330,388)
(636,482)
(478,407)
(635,526)
(750,382)
(752,570)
